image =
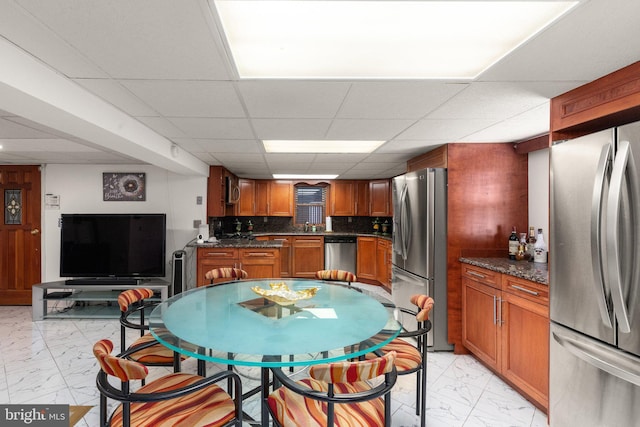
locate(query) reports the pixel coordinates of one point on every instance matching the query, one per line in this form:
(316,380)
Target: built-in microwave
(233,190)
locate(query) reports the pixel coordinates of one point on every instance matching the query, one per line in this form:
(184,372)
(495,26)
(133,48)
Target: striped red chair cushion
(226,272)
(338,275)
(123,369)
(152,355)
(408,358)
(425,304)
(126,298)
(292,409)
(211,406)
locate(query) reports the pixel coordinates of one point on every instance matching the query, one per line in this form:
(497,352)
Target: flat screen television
(123,247)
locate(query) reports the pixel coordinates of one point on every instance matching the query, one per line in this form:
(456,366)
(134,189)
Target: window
(310,204)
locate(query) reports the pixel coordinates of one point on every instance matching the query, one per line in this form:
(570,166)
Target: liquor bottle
(531,241)
(513,243)
(540,248)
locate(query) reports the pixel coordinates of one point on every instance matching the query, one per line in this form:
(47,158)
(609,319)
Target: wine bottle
(513,244)
(531,241)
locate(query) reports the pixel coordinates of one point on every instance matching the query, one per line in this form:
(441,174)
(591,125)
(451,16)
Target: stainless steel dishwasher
(340,252)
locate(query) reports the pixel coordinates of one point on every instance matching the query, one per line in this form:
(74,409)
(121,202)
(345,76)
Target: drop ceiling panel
(396,100)
(451,130)
(198,127)
(366,129)
(11,129)
(289,99)
(142,39)
(518,128)
(309,129)
(409,147)
(162,126)
(173,98)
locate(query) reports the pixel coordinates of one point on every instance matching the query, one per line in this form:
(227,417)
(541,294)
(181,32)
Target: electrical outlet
(198,200)
(349,219)
(196,223)
(264,219)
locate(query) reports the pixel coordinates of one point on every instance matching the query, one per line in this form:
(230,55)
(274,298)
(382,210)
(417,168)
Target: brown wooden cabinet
(280,199)
(366,258)
(307,255)
(261,197)
(246,206)
(259,263)
(286,260)
(383,261)
(343,198)
(216,192)
(505,323)
(362,198)
(380,198)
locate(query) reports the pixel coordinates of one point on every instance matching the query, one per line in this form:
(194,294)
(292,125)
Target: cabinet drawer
(257,253)
(223,253)
(482,275)
(527,289)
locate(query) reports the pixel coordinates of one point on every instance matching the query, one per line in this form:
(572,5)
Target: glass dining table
(244,323)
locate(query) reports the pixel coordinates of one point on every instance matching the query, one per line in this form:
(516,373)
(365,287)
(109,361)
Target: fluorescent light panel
(302,176)
(378,39)
(320,146)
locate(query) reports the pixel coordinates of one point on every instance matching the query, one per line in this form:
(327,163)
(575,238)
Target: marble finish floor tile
(51,361)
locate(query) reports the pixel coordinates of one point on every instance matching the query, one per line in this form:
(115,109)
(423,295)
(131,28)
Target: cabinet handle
(280,240)
(217,254)
(495,311)
(473,273)
(257,254)
(529,291)
(500,320)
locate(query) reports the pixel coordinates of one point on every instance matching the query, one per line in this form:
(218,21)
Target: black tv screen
(113,245)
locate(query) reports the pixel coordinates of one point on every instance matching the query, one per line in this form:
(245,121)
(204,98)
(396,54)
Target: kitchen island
(505,321)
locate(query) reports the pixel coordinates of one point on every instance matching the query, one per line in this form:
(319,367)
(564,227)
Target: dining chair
(336,394)
(337,275)
(134,307)
(171,400)
(225,273)
(412,358)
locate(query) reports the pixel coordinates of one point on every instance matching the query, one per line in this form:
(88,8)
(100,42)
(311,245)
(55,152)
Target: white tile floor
(51,361)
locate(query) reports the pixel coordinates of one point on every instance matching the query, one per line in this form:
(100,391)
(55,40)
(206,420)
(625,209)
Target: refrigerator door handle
(406,222)
(614,362)
(623,161)
(596,236)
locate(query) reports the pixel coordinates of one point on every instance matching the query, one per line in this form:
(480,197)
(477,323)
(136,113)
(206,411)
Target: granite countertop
(534,271)
(239,243)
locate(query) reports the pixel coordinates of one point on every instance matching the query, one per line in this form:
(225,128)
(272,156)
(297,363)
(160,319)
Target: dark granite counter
(536,272)
(239,243)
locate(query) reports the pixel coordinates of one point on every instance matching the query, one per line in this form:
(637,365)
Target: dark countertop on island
(245,242)
(533,271)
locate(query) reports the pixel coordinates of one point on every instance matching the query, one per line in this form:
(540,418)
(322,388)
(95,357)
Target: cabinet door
(209,258)
(281,198)
(246,205)
(261,197)
(379,198)
(343,198)
(362,198)
(382,261)
(286,259)
(366,264)
(260,263)
(308,256)
(215,192)
(480,318)
(525,346)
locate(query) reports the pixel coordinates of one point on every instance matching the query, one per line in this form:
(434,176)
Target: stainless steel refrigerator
(419,261)
(595,280)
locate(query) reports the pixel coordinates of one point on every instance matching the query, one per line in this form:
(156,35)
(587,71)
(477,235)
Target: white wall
(80,191)
(539,191)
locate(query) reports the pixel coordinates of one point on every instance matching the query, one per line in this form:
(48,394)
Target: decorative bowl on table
(282,295)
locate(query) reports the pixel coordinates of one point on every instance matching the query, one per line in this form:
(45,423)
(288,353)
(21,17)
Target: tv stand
(70,299)
(103,281)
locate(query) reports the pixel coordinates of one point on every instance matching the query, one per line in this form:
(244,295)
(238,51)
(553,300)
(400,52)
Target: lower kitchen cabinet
(505,324)
(383,262)
(307,256)
(286,260)
(366,258)
(259,263)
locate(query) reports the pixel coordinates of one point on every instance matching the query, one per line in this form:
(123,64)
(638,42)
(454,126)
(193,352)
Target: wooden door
(480,315)
(247,204)
(281,198)
(19,233)
(366,266)
(260,263)
(308,256)
(286,261)
(362,198)
(262,197)
(380,198)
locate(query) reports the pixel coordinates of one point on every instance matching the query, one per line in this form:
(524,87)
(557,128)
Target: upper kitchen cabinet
(380,198)
(349,198)
(265,198)
(343,198)
(612,100)
(216,192)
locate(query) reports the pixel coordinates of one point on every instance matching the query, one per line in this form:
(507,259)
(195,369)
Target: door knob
(35,231)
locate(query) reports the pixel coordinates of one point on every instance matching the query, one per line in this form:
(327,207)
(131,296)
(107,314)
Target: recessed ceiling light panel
(378,39)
